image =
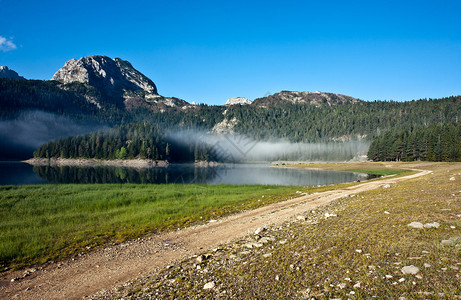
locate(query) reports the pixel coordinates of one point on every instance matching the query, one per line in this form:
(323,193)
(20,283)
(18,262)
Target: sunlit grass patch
(380,172)
(39,223)
(359,253)
(49,222)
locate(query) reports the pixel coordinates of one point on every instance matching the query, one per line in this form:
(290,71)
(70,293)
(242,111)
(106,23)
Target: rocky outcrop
(237,100)
(312,98)
(105,74)
(154,102)
(5,72)
(225,126)
(118,82)
(136,77)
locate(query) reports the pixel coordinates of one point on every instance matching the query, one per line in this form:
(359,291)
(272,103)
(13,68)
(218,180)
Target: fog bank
(20,137)
(239,148)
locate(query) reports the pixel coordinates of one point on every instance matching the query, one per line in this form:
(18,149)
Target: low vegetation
(48,222)
(373,168)
(45,222)
(363,248)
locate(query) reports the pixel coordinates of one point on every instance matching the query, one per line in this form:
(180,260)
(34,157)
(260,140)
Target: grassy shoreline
(49,222)
(40,223)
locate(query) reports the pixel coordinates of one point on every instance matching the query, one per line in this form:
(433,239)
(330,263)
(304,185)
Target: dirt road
(112,266)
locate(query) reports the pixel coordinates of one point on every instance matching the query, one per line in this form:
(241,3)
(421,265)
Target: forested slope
(438,142)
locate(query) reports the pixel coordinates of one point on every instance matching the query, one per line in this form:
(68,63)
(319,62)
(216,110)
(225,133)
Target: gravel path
(114,265)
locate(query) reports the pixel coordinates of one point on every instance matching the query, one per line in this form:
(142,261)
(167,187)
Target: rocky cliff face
(313,98)
(136,77)
(105,74)
(5,72)
(118,82)
(237,100)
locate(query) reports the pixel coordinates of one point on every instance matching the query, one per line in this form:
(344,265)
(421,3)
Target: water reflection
(15,173)
(188,174)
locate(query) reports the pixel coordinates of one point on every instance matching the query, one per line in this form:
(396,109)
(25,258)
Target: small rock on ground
(259,230)
(253,245)
(209,285)
(328,215)
(410,270)
(416,225)
(432,225)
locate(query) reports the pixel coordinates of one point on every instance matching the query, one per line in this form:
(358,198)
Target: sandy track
(112,266)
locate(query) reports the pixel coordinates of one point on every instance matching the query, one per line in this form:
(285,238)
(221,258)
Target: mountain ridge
(7,73)
(311,98)
(106,82)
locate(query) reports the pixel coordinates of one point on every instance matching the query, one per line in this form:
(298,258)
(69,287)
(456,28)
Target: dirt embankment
(114,265)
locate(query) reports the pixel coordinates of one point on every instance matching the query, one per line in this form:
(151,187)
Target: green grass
(373,168)
(381,172)
(48,222)
(358,254)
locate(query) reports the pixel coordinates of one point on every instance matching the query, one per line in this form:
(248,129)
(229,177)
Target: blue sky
(208,51)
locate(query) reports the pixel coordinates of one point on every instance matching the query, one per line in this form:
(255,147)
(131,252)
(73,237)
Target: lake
(17,173)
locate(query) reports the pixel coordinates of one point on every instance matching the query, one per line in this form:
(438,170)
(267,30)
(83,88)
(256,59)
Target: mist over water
(20,137)
(239,148)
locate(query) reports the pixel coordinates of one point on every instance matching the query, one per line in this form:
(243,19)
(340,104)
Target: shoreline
(92,162)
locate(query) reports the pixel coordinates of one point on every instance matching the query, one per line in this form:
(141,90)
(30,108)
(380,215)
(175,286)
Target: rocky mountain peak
(5,72)
(237,100)
(108,75)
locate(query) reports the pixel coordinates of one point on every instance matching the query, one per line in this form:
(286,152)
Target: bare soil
(112,266)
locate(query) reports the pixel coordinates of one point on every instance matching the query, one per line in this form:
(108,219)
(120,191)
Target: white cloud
(6,44)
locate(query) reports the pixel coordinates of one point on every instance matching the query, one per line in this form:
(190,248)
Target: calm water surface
(15,173)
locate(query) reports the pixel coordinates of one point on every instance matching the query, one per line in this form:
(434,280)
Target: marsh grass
(48,222)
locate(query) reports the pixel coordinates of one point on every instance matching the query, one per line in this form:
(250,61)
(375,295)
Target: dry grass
(357,254)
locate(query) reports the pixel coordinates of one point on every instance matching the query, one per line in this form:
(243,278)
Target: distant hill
(316,98)
(17,96)
(5,72)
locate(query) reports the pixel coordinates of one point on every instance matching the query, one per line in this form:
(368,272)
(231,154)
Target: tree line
(437,142)
(308,123)
(128,141)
